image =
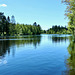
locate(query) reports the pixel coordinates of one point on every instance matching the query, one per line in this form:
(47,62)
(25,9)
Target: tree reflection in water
(71,59)
(59,39)
(70,63)
(7,42)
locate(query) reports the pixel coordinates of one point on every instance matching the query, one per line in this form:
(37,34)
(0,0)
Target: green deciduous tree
(70,13)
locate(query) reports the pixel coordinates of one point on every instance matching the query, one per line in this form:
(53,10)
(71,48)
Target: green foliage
(57,30)
(7,28)
(70,13)
(43,31)
(21,29)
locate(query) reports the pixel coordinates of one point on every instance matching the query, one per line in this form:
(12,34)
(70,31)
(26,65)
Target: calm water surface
(35,55)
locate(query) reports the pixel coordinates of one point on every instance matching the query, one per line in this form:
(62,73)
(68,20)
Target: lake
(45,54)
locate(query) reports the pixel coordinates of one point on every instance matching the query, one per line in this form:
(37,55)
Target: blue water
(44,54)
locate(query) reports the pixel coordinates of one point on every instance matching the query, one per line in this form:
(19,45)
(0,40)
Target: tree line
(57,29)
(11,28)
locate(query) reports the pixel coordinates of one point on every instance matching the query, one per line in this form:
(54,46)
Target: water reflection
(59,39)
(7,42)
(47,58)
(71,59)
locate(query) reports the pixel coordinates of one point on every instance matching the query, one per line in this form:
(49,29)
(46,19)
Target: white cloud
(3,5)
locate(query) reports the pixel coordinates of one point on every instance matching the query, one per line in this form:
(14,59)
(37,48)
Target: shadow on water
(71,59)
(7,42)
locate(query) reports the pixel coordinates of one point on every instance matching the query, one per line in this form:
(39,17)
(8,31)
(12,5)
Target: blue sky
(44,12)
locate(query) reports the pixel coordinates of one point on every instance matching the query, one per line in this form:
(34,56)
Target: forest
(57,29)
(10,28)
